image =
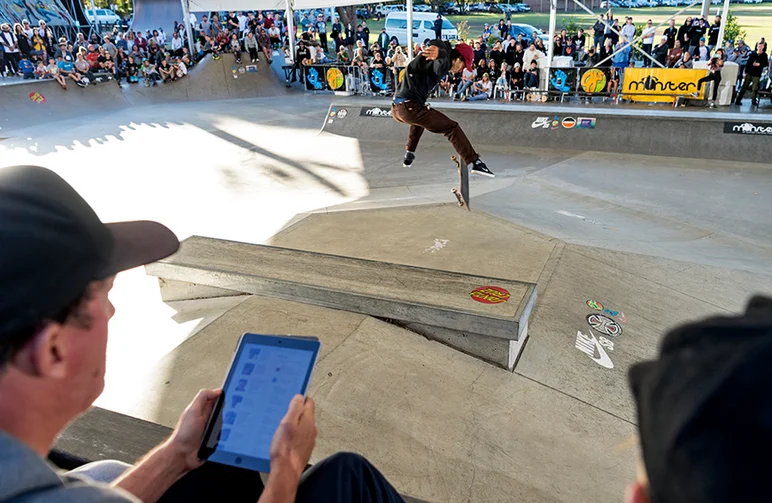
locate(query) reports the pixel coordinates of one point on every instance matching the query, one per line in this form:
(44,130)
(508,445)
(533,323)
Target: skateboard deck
(462,191)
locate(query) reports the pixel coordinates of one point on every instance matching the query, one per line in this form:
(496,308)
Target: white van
(423,27)
(102,16)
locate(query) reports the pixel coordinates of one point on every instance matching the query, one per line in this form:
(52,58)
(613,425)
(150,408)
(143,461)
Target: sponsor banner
(661,84)
(749,128)
(315,78)
(375,112)
(564,122)
(592,80)
(50,11)
(563,79)
(380,80)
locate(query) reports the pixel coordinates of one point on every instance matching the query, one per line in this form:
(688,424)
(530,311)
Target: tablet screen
(260,385)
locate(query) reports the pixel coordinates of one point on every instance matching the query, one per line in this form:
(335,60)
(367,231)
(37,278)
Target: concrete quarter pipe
(209,80)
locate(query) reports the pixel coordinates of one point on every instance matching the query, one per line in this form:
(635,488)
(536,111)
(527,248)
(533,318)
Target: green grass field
(755,19)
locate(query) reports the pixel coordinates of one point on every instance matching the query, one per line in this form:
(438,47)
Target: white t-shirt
(182,70)
(242,22)
(628,31)
(176,43)
(10,39)
(648,35)
(487,87)
(467,75)
(161,39)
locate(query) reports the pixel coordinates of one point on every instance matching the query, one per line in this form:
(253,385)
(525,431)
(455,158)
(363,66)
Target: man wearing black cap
(57,265)
(705,412)
(421,77)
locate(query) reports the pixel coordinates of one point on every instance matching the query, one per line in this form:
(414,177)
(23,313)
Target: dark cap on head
(705,410)
(54,245)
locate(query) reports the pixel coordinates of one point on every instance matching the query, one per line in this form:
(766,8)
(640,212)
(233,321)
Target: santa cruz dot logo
(490,295)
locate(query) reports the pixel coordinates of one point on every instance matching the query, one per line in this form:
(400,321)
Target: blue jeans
(463,87)
(479,97)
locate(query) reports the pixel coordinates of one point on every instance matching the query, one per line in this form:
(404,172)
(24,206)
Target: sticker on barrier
(593,80)
(37,97)
(335,79)
(490,295)
(342,113)
(604,325)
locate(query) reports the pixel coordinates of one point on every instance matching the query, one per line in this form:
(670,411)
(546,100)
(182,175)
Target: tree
(733,30)
(348,15)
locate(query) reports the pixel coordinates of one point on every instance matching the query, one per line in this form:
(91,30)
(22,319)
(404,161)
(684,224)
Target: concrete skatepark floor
(656,240)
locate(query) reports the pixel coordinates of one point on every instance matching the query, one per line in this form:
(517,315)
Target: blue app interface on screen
(258,394)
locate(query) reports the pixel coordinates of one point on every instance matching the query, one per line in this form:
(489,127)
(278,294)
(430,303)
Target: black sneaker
(479,168)
(409,158)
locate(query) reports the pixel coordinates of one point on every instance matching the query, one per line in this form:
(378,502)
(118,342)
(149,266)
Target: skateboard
(537,97)
(462,192)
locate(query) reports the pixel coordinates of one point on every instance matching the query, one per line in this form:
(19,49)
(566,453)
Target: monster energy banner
(563,80)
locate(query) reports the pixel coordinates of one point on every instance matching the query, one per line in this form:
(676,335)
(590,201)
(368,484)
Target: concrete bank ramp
(31,103)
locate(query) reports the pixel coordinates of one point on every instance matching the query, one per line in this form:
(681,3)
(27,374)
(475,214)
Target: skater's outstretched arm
(435,59)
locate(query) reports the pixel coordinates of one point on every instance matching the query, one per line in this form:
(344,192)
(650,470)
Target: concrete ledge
(428,298)
(172,291)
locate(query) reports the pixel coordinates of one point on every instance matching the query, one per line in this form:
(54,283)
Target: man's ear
(636,493)
(48,352)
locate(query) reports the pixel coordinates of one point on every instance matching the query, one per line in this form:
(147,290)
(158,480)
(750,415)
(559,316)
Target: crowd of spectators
(34,53)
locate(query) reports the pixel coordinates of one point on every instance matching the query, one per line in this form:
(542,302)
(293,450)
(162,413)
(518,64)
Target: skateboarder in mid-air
(422,75)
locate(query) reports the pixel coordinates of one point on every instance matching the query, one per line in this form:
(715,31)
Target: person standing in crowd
(10,45)
(350,39)
(409,105)
(176,44)
(648,35)
(713,32)
(683,34)
(671,33)
(383,40)
(628,33)
(757,62)
(598,30)
(744,52)
(438,27)
(714,75)
(503,30)
(321,30)
(696,33)
(25,44)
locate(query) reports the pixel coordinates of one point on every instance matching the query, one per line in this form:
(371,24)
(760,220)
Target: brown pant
(422,117)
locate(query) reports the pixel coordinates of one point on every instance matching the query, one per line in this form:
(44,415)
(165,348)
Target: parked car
(527,31)
(102,16)
(422,8)
(423,27)
(523,7)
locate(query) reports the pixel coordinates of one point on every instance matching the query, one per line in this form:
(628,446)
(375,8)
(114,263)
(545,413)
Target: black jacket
(660,53)
(422,75)
(755,71)
(437,25)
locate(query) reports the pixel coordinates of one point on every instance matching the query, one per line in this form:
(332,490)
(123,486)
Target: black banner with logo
(748,128)
(563,80)
(375,112)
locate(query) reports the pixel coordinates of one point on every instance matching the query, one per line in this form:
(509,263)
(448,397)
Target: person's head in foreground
(57,265)
(705,412)
(461,56)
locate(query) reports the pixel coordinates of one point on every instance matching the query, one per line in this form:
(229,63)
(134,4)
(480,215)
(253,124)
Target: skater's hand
(431,53)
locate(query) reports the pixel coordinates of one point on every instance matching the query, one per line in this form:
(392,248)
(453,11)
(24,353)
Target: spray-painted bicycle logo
(604,325)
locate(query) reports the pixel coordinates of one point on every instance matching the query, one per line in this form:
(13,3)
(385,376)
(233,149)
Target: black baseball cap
(705,410)
(52,245)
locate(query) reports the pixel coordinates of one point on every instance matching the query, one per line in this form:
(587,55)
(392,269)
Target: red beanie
(467,53)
